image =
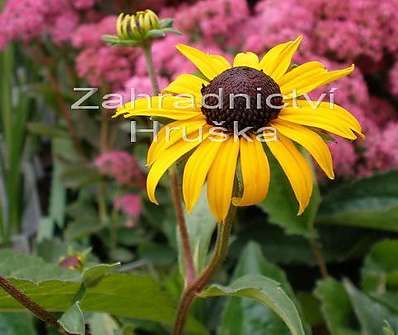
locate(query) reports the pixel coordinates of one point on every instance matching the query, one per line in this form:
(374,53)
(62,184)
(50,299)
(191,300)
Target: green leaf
(245,316)
(380,270)
(16,324)
(370,202)
(252,261)
(310,306)
(265,291)
(172,31)
(96,273)
(102,324)
(13,119)
(75,176)
(58,192)
(73,320)
(336,307)
(387,329)
(200,224)
(280,192)
(24,267)
(55,289)
(135,296)
(166,22)
(155,33)
(371,314)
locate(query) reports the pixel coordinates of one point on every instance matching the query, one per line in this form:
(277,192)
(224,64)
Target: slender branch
(220,251)
(317,251)
(25,301)
(175,190)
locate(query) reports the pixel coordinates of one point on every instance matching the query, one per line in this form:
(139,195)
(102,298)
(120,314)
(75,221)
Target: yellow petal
(168,106)
(209,65)
(119,21)
(329,107)
(249,59)
(286,57)
(300,73)
(255,173)
(172,133)
(319,121)
(187,84)
(276,62)
(296,169)
(311,141)
(195,171)
(220,180)
(310,83)
(333,119)
(168,157)
(271,59)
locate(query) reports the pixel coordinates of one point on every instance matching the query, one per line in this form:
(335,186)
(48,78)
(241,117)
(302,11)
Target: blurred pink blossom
(129,204)
(83,4)
(344,157)
(382,153)
(23,20)
(121,166)
(64,26)
(212,18)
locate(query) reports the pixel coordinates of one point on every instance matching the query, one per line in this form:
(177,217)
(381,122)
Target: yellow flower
(220,155)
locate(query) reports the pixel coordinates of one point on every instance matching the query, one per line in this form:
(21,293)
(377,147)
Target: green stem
(151,68)
(220,251)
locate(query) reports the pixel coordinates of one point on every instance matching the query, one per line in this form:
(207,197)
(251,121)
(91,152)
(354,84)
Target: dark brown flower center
(241,97)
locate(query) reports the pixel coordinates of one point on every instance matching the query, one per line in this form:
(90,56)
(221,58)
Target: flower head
(233,116)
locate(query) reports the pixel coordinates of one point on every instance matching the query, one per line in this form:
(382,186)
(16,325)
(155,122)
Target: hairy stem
(182,227)
(25,301)
(151,69)
(220,251)
(175,190)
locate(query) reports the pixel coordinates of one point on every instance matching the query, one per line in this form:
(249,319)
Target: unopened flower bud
(139,28)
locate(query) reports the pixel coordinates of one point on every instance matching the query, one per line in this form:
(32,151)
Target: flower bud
(136,26)
(139,28)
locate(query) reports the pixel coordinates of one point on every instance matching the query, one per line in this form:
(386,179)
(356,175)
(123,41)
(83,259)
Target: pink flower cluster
(121,166)
(129,204)
(211,19)
(26,19)
(98,63)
